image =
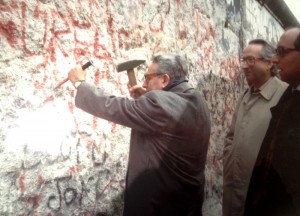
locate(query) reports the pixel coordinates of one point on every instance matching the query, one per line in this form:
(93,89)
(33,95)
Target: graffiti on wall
(261,23)
(68,162)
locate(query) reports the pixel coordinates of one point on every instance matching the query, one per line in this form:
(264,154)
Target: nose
(244,65)
(145,84)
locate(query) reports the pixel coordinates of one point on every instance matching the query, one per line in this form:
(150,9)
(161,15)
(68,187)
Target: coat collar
(182,86)
(269,88)
(276,110)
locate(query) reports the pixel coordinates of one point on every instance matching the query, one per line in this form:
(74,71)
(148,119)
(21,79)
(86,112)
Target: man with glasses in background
(275,183)
(249,123)
(169,139)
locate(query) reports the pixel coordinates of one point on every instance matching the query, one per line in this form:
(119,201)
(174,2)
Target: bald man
(275,183)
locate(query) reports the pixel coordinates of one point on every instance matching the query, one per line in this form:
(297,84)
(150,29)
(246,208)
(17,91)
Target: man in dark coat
(275,184)
(169,139)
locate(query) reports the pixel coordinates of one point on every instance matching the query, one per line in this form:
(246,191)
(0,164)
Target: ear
(166,80)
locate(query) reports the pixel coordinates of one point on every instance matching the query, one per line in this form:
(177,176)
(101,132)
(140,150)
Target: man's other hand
(136,91)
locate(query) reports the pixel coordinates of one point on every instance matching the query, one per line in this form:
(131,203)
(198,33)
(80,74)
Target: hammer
(85,66)
(51,98)
(129,66)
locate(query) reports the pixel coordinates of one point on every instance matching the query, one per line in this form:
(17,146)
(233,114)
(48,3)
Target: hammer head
(129,65)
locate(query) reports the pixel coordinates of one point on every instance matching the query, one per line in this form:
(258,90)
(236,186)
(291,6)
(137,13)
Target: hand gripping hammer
(85,66)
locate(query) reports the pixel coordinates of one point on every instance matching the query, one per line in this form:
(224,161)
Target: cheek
(288,66)
(156,85)
(261,70)
(151,86)
(288,61)
(255,71)
(292,71)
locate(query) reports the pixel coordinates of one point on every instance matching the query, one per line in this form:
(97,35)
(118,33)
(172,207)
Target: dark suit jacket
(168,146)
(275,184)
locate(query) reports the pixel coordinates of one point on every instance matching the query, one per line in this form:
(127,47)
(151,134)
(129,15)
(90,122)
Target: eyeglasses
(282,51)
(250,60)
(148,77)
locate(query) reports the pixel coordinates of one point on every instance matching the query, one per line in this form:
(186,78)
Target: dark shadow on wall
(117,205)
(165,201)
(115,208)
(157,184)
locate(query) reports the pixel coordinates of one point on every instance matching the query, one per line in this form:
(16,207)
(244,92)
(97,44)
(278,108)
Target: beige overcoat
(249,125)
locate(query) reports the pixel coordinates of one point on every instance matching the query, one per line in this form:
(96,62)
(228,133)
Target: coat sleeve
(146,114)
(230,134)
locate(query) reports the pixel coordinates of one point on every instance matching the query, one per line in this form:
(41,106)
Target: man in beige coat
(249,124)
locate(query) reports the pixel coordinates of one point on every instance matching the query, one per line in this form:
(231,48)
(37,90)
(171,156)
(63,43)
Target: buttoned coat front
(168,146)
(249,125)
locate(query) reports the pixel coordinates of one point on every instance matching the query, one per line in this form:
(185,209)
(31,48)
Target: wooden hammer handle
(133,82)
(131,77)
(85,66)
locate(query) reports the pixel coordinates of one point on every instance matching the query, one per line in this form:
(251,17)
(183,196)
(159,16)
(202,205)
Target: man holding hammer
(169,139)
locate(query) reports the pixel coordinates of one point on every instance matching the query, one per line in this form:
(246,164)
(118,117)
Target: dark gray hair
(172,64)
(267,52)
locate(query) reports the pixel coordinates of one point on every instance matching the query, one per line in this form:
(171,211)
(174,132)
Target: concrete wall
(56,159)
